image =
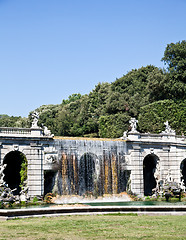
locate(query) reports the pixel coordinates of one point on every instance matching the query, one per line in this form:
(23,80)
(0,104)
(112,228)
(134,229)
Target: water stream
(90,168)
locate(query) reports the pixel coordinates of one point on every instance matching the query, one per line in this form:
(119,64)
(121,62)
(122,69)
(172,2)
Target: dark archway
(149,166)
(49,181)
(183,170)
(15,171)
(86,173)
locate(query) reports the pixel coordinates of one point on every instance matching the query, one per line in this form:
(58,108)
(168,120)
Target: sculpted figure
(168,177)
(133,124)
(168,128)
(157,176)
(2,168)
(35,116)
(124,135)
(47,132)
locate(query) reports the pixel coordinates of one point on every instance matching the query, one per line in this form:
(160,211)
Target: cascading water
(91,168)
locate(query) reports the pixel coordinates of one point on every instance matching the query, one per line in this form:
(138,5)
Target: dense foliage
(7,121)
(151,94)
(23,171)
(153,116)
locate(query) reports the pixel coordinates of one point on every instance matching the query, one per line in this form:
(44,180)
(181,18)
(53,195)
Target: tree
(71,98)
(113,126)
(152,116)
(175,58)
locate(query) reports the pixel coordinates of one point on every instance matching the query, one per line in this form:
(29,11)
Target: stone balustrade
(156,137)
(11,131)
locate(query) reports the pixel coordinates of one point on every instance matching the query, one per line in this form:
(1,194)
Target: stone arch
(87,170)
(150,164)
(183,171)
(15,171)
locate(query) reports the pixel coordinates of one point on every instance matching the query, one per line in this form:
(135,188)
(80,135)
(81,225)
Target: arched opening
(183,170)
(49,181)
(86,174)
(149,166)
(15,171)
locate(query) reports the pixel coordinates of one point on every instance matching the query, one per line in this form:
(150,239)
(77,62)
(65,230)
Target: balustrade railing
(157,137)
(14,131)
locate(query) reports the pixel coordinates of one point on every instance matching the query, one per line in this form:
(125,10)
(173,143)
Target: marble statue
(47,132)
(2,168)
(35,116)
(168,128)
(133,124)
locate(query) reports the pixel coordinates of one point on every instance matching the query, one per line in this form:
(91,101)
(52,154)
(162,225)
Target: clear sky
(50,49)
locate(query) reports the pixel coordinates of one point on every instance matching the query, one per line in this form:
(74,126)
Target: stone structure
(96,166)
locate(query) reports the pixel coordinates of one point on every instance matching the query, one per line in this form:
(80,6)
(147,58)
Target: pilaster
(137,170)
(35,171)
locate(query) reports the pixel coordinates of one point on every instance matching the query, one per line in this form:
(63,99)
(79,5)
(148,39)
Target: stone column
(137,171)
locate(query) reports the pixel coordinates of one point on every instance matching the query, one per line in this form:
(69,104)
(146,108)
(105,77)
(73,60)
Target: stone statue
(47,132)
(182,185)
(35,116)
(124,135)
(168,177)
(157,177)
(157,172)
(2,168)
(23,195)
(168,128)
(133,124)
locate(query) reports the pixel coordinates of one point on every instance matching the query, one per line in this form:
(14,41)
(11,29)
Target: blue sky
(52,49)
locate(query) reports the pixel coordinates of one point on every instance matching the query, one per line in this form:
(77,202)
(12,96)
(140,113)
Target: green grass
(112,226)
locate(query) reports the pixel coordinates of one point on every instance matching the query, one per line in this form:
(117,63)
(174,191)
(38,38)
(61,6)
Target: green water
(136,203)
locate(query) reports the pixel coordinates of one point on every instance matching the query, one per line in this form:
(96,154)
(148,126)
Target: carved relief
(50,158)
(16,147)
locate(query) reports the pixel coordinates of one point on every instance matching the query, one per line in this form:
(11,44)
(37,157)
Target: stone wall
(111,164)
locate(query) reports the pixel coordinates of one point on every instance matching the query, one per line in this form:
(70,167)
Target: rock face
(6,194)
(168,188)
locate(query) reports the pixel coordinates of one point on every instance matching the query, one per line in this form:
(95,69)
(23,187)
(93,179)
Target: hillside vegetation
(150,94)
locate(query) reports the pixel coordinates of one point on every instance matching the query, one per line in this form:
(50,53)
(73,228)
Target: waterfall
(91,167)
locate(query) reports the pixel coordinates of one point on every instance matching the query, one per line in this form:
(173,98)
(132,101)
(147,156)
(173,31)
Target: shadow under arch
(86,173)
(149,167)
(15,171)
(183,170)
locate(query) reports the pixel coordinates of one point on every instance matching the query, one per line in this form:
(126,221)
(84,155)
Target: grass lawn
(116,226)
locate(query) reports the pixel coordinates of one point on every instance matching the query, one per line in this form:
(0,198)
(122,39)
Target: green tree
(113,126)
(71,98)
(175,59)
(152,116)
